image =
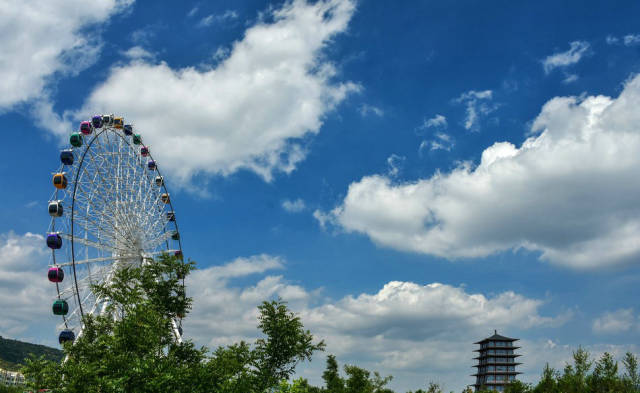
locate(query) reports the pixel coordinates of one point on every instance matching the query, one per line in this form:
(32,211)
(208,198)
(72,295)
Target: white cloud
(366,110)
(25,293)
(631,39)
(223,314)
(442,141)
(251,111)
(438,121)
(193,11)
(618,321)
(395,164)
(323,218)
(570,78)
(213,18)
(563,59)
(138,52)
(245,266)
(398,329)
(41,40)
(612,40)
(569,192)
(294,206)
(478,105)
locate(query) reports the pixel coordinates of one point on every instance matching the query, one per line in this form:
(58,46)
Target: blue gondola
(65,336)
(96,121)
(54,241)
(55,274)
(60,307)
(66,157)
(55,209)
(128,129)
(152,165)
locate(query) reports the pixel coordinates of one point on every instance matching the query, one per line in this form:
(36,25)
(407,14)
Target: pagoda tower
(496,363)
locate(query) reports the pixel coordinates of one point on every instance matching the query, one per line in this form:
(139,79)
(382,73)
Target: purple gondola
(54,241)
(96,121)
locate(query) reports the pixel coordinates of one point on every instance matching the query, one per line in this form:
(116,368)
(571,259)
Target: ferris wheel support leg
(176,331)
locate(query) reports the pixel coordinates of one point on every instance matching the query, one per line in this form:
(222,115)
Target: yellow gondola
(60,181)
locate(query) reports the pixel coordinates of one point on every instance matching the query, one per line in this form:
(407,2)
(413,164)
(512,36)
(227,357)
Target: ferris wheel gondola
(110,209)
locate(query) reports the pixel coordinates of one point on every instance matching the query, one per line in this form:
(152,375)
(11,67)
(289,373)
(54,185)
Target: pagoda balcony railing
(496,361)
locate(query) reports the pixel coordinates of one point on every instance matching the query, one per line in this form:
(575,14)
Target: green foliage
(132,347)
(286,344)
(11,389)
(14,352)
(332,381)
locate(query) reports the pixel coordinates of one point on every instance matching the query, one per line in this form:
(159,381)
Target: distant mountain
(13,353)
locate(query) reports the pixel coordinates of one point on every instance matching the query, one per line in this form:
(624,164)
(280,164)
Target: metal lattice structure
(111,209)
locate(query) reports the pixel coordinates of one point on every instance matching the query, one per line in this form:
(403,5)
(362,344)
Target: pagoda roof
(497,337)
(488,348)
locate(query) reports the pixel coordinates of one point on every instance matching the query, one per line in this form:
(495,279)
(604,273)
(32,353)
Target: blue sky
(408,177)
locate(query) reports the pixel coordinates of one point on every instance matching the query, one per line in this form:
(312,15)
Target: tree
(332,381)
(548,381)
(631,378)
(132,349)
(357,380)
(573,379)
(605,376)
(287,344)
(517,387)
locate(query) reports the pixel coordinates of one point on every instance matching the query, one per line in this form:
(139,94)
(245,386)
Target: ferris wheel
(110,209)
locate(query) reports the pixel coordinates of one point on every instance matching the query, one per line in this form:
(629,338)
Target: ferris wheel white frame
(117,218)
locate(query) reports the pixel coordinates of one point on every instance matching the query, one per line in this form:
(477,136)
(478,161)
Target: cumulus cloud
(294,206)
(478,105)
(569,192)
(222,313)
(619,321)
(572,56)
(397,329)
(41,39)
(252,111)
(24,291)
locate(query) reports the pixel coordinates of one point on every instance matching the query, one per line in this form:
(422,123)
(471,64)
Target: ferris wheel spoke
(95,260)
(93,244)
(159,240)
(104,185)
